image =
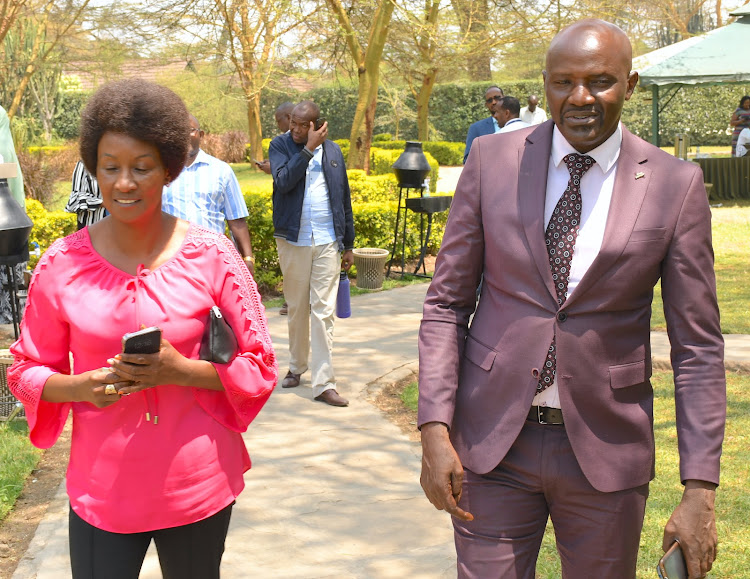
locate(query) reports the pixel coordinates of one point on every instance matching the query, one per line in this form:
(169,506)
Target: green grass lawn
(250,178)
(731,238)
(17,459)
(732,502)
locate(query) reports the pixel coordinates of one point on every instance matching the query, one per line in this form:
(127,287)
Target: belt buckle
(539,415)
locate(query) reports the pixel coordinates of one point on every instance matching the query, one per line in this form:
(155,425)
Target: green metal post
(655,114)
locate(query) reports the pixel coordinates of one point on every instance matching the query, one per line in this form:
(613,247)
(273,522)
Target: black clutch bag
(219,343)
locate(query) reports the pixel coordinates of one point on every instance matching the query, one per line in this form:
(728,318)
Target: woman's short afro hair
(142,110)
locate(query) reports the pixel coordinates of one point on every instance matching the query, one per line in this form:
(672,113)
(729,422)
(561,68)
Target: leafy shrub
(377,188)
(380,137)
(49,226)
(374,202)
(445,153)
(260,224)
(39,175)
(212,145)
(61,158)
(67,121)
(233,146)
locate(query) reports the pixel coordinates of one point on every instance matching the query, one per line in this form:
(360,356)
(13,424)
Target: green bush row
(374,202)
(48,226)
(382,158)
(703,112)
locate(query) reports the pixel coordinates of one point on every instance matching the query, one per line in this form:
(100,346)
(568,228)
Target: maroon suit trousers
(597,533)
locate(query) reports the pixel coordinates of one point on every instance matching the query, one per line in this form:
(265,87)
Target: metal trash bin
(8,402)
(370,262)
(681,145)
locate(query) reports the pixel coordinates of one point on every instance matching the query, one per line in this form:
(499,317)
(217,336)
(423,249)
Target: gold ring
(110,389)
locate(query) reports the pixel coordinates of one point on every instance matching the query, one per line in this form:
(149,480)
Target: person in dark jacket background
(313,225)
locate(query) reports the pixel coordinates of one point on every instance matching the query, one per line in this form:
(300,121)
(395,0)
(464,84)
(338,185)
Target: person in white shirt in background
(506,115)
(743,143)
(533,114)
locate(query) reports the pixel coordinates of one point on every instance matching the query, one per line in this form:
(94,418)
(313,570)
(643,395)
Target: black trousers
(191,551)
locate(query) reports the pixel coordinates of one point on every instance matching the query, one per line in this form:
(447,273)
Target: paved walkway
(333,492)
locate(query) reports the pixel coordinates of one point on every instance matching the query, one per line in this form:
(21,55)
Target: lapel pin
(639,175)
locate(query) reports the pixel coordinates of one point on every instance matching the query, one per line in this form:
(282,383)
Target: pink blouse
(169,455)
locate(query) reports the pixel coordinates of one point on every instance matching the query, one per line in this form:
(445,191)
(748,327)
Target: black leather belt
(545,415)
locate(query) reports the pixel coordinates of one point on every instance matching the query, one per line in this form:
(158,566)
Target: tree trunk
(472,20)
(423,104)
(254,126)
(368,66)
(360,138)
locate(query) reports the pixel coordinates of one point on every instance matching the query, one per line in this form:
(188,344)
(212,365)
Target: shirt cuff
(305,151)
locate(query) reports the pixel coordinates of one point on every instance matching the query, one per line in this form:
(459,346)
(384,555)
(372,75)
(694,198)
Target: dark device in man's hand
(259,163)
(146,341)
(319,123)
(672,565)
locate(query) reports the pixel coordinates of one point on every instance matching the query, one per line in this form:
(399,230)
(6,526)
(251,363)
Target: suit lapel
(631,183)
(532,190)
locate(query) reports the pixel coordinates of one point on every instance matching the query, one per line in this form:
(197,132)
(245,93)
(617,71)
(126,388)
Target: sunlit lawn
(733,500)
(251,178)
(731,238)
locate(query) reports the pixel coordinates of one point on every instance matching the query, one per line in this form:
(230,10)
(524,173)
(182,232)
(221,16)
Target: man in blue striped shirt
(206,193)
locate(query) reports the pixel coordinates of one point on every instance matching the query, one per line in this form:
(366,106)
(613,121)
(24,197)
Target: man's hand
(442,473)
(347,259)
(693,522)
(316,138)
(264,165)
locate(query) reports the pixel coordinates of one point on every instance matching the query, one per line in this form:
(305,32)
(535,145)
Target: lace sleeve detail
(250,378)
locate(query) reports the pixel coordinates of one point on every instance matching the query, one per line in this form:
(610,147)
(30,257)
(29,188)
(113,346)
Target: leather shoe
(332,397)
(284,309)
(291,380)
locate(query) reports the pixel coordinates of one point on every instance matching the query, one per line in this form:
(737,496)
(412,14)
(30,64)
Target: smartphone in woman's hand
(146,341)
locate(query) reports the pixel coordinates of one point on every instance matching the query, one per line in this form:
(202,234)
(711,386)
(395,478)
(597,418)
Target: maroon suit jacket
(481,379)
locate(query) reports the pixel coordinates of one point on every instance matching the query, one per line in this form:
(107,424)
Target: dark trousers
(188,552)
(597,533)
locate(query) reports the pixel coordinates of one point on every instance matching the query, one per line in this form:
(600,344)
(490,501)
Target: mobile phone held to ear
(672,565)
(319,123)
(146,341)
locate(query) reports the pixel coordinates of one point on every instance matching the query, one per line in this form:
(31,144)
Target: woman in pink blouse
(157,451)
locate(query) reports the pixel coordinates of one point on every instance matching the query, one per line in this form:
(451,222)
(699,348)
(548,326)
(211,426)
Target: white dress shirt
(533,118)
(596,195)
(513,125)
(316,221)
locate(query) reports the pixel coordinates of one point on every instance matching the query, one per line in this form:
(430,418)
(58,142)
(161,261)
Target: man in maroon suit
(542,407)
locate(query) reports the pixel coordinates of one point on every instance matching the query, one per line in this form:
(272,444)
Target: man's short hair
(308,109)
(285,108)
(489,88)
(142,110)
(511,105)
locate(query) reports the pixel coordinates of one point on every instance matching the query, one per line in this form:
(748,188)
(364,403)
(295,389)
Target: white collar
(605,155)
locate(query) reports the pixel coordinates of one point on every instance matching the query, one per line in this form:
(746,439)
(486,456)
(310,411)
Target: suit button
(562,316)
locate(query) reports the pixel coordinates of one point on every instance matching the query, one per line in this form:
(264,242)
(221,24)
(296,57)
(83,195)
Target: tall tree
(9,11)
(48,34)
(473,16)
(367,59)
(251,30)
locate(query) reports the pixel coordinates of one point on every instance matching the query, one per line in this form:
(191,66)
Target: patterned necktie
(560,238)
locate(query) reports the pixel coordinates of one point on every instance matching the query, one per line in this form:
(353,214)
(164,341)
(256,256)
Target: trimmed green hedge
(49,226)
(374,202)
